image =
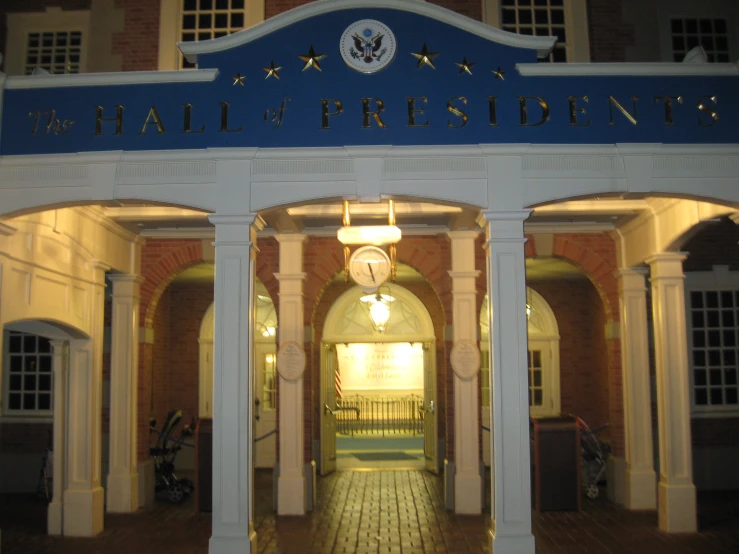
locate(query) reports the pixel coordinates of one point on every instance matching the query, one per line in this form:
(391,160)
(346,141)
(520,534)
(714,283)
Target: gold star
(425,57)
(499,74)
(465,66)
(238,79)
(311,59)
(272,70)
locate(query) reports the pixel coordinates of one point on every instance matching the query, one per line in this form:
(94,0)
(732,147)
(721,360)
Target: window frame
(21,24)
(720,279)
(36,415)
(169,29)
(669,12)
(576,26)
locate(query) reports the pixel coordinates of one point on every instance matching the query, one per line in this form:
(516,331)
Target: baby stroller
(593,454)
(164,453)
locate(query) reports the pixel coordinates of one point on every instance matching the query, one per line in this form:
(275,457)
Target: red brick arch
(161,262)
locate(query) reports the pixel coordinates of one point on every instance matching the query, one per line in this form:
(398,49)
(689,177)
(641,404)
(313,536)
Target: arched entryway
(378,380)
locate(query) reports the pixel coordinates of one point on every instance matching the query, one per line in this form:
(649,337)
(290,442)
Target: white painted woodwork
(60,362)
(233,388)
(676,491)
(468,484)
(291,492)
(329,366)
(431,411)
(640,477)
(510,470)
(83,497)
(123,479)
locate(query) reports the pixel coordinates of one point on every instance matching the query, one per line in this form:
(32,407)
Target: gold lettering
(224,120)
(155,120)
(708,111)
(493,121)
(52,126)
(118,120)
(668,106)
(456,111)
(412,111)
(522,100)
(366,113)
(37,116)
(325,113)
(574,110)
(187,128)
(67,125)
(631,117)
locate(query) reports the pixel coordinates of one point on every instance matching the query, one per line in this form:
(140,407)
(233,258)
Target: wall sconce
(378,306)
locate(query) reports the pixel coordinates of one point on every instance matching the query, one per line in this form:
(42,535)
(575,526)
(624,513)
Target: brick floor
(376,511)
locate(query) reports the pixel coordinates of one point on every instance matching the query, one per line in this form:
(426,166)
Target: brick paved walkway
(381,511)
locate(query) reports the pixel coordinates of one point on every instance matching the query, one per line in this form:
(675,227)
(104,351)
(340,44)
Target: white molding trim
(649,69)
(111,79)
(542,45)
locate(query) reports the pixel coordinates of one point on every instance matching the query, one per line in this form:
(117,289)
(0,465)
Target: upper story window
(54,40)
(28,382)
(54,51)
(194,20)
(565,19)
(711,34)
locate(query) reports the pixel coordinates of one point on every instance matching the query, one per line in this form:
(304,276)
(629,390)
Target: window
(713,351)
(485,379)
(28,376)
(269,382)
(565,19)
(536,381)
(54,51)
(711,34)
(54,40)
(194,20)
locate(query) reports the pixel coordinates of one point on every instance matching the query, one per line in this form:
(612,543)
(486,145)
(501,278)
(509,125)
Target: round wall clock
(369,266)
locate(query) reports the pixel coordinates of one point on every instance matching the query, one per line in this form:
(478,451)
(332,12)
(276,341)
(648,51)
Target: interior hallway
(376,511)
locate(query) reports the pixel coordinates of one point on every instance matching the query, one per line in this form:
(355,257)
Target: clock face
(369,266)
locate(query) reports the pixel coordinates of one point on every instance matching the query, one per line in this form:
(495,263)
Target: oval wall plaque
(290,360)
(465,358)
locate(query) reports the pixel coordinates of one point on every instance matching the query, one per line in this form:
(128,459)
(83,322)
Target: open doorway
(378,383)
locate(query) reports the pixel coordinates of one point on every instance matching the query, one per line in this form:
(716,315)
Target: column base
(512,544)
(54,518)
(147,483)
(616,479)
(641,489)
(677,508)
(234,545)
(291,496)
(123,493)
(468,489)
(83,512)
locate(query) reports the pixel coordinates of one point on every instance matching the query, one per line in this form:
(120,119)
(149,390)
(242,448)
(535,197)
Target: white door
(265,409)
(329,366)
(542,389)
(485,404)
(430,412)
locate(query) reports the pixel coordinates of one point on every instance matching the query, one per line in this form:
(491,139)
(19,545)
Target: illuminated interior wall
(381,369)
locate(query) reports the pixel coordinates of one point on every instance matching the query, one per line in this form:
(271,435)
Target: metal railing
(361,415)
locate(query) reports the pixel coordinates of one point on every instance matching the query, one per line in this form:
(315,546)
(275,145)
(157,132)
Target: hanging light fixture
(377,235)
(378,306)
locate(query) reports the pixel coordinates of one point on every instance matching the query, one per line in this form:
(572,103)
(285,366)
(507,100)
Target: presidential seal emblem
(367,46)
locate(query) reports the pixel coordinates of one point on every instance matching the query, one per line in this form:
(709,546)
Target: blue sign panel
(370,77)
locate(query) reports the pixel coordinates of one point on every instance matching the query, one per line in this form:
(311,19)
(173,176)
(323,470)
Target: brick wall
(609,34)
(713,244)
(138,43)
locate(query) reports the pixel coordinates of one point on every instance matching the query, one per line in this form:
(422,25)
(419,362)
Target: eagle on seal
(368,46)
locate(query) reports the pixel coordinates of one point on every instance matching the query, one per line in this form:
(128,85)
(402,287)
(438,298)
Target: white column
(509,403)
(468,484)
(83,502)
(233,385)
(676,500)
(123,477)
(641,479)
(59,368)
(291,482)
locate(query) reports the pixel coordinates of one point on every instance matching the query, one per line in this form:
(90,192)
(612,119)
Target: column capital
(666,257)
(466,234)
(667,265)
(486,216)
(290,237)
(254,220)
(119,281)
(632,278)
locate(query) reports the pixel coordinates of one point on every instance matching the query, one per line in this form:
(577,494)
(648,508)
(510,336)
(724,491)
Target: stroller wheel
(176,493)
(592,491)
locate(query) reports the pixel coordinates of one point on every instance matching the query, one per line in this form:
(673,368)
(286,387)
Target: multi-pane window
(54,51)
(269,383)
(484,378)
(28,366)
(539,18)
(713,320)
(711,34)
(208,19)
(536,379)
